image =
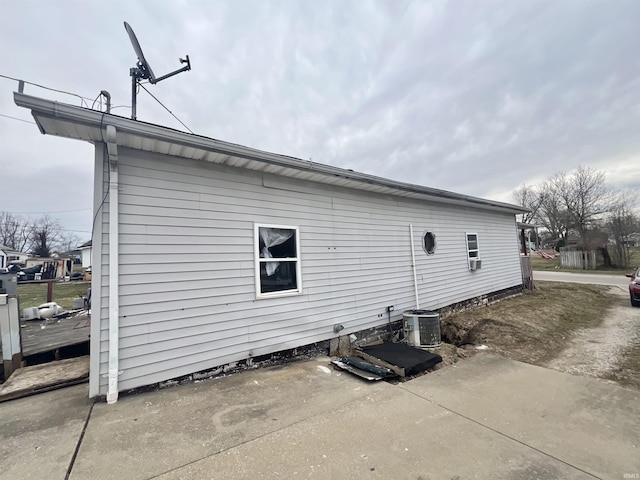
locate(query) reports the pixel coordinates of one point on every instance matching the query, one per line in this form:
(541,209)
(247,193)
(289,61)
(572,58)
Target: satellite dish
(142,70)
(142,62)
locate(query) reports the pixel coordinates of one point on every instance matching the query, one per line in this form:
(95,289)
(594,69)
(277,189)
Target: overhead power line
(16,118)
(46,213)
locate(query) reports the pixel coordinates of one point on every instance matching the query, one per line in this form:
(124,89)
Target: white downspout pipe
(413,265)
(114,304)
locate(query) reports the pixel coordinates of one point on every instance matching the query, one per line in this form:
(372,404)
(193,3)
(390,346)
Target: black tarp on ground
(412,359)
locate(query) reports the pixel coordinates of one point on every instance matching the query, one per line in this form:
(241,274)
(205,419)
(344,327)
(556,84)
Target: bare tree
(586,197)
(552,213)
(528,197)
(622,222)
(38,236)
(67,242)
(14,231)
(45,233)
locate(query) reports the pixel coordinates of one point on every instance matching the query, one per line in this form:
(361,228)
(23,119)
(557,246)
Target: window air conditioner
(475,263)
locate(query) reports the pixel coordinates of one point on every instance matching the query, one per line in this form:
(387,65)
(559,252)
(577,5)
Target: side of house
(9,256)
(85,255)
(206,252)
(190,290)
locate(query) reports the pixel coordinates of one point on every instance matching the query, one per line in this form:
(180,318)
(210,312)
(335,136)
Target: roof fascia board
(92,118)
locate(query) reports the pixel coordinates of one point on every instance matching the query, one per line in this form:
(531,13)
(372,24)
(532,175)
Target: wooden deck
(49,336)
(40,336)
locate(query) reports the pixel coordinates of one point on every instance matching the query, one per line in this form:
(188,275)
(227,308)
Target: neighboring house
(9,256)
(213,253)
(85,253)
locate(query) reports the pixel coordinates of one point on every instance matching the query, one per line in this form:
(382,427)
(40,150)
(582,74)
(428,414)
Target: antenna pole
(134,87)
(142,70)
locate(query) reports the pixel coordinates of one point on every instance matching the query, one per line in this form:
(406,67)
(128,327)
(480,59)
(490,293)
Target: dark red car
(634,288)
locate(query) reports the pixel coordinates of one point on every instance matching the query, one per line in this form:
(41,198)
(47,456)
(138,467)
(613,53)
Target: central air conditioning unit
(422,328)
(475,264)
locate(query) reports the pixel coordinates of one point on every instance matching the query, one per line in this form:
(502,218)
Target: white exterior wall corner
(100,204)
(187,295)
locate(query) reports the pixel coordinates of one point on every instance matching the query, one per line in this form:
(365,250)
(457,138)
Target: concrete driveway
(487,417)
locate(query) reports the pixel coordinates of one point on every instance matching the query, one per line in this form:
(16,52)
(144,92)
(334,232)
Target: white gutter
(114,304)
(42,109)
(413,265)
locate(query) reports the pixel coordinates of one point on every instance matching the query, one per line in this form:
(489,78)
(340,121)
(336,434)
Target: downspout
(413,265)
(114,304)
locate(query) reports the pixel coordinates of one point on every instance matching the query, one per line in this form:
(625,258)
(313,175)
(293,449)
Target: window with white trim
(473,250)
(277,260)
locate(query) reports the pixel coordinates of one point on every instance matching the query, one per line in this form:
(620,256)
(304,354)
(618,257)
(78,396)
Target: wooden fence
(578,259)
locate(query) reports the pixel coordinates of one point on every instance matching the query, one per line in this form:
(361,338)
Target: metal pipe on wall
(413,265)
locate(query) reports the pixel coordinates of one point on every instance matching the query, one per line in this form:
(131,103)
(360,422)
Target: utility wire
(82,99)
(181,122)
(16,118)
(46,213)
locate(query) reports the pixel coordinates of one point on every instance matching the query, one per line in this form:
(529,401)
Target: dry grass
(34,294)
(532,327)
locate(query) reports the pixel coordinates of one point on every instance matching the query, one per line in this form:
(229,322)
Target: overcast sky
(476,97)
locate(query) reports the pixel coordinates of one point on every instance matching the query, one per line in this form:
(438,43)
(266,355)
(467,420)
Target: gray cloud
(474,97)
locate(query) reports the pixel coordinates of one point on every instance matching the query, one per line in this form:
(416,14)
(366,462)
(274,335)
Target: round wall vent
(429,243)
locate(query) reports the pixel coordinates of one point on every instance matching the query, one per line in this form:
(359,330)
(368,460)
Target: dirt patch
(595,351)
(533,327)
(610,350)
(580,329)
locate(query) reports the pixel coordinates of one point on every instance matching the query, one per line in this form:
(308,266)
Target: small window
(473,250)
(429,243)
(277,260)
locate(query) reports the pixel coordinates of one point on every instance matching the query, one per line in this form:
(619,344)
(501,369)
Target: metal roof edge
(85,116)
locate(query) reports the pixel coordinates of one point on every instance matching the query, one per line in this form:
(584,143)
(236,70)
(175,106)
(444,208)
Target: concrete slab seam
(259,437)
(503,434)
(77,449)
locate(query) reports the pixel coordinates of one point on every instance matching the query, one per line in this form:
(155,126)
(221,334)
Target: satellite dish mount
(142,70)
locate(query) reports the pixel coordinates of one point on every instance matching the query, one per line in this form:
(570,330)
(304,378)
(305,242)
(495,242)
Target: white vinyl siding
(187,263)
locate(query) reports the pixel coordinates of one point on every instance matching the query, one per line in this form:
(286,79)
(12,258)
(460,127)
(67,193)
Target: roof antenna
(142,70)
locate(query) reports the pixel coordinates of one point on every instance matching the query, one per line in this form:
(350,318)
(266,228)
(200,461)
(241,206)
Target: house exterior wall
(19,257)
(85,256)
(9,257)
(186,263)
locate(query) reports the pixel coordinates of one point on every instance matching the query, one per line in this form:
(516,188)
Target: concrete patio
(487,417)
